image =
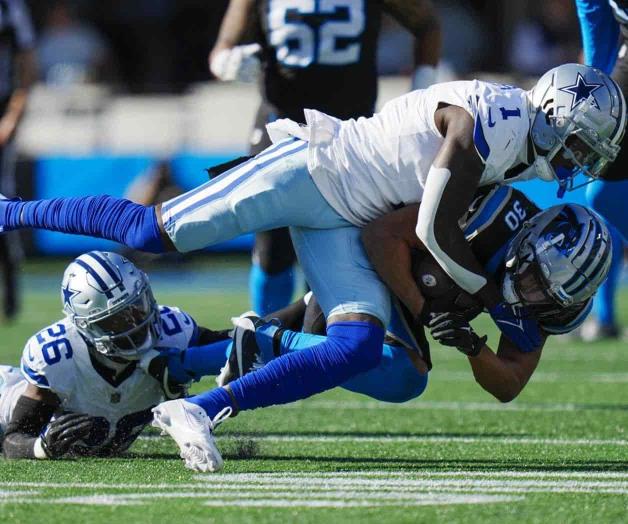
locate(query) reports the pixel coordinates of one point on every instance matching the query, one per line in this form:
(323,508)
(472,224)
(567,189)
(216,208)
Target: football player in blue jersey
(87,382)
(601,22)
(330,178)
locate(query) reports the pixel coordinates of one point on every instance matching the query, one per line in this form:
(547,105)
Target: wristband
(478,344)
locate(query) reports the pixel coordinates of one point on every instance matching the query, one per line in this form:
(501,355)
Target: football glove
(518,325)
(241,63)
(63,432)
(452,329)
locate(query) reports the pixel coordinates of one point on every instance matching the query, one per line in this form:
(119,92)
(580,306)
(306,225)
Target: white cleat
(191,429)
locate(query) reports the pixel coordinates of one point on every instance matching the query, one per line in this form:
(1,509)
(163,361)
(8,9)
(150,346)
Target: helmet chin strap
(508,290)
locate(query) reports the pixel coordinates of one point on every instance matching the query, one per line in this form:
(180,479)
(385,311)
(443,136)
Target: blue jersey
(600,30)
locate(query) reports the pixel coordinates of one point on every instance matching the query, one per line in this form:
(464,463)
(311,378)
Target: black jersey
(620,10)
(494,218)
(320,54)
(16,34)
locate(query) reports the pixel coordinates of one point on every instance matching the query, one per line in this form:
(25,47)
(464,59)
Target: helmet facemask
(526,284)
(574,148)
(126,332)
(577,122)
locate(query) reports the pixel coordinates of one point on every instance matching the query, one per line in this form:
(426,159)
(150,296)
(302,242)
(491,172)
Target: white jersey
(57,358)
(367,167)
(12,385)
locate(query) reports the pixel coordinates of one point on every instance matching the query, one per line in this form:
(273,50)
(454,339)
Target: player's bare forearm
(451,184)
(505,374)
(389,241)
(427,48)
(25,65)
(236,24)
(421,19)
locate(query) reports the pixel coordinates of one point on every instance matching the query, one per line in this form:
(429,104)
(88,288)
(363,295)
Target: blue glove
(518,325)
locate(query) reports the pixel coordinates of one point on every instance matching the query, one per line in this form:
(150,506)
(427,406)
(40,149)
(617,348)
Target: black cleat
(245,353)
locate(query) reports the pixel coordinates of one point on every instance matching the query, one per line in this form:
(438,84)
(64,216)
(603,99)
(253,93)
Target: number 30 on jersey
(316,31)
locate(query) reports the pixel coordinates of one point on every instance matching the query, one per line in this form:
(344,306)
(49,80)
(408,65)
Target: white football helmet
(111,303)
(578,119)
(556,263)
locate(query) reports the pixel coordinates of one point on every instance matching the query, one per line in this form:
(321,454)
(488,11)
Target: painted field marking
(337,490)
(545,377)
(416,439)
(8,494)
(302,500)
(445,406)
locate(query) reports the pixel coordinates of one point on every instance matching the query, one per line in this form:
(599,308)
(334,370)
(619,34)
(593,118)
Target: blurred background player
(17,73)
(601,22)
(313,55)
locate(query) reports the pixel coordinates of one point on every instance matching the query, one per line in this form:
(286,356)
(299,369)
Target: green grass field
(559,453)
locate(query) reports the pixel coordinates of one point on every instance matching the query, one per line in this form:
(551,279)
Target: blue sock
(198,361)
(349,348)
(212,401)
(604,303)
(270,292)
(395,379)
(98,216)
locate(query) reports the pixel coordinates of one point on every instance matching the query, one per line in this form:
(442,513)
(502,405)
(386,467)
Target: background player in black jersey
(317,55)
(17,74)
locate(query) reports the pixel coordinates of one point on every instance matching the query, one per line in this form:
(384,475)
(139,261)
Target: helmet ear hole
(548,115)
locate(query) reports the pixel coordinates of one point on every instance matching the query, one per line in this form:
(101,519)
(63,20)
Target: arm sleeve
(21,20)
(600,33)
(29,418)
(435,238)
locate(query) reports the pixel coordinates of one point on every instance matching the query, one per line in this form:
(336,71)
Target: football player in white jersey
(329,178)
(87,385)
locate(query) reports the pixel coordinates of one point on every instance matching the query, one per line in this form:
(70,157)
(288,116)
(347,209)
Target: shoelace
(222,415)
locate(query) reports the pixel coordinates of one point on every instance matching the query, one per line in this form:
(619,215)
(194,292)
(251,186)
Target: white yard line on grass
(443,406)
(418,439)
(544,377)
(348,489)
(351,500)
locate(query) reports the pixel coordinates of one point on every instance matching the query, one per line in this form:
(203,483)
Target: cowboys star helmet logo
(68,294)
(581,91)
